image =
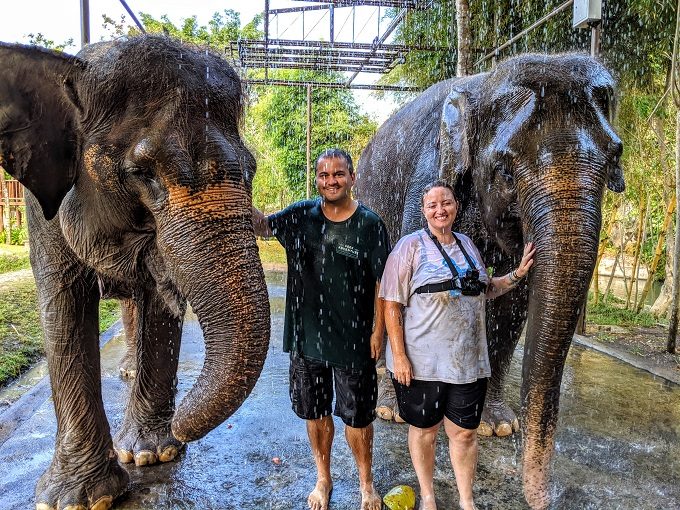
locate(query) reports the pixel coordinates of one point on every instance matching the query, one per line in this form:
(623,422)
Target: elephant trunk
(564,224)
(214,262)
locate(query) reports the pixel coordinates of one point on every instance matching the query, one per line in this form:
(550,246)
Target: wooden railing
(15,192)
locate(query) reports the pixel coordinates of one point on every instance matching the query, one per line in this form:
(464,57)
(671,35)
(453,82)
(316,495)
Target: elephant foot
(498,419)
(386,407)
(128,365)
(145,446)
(83,488)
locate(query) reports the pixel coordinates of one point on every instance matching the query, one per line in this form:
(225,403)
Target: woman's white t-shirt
(444,332)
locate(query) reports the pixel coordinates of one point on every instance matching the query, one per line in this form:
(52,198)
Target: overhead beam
(331,85)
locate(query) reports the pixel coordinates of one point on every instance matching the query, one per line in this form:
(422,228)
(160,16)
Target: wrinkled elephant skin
(529,148)
(139,188)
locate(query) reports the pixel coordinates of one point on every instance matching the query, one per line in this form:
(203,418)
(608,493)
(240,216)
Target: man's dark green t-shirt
(333,268)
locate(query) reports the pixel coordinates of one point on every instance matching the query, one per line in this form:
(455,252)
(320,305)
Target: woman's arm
(499,285)
(394,321)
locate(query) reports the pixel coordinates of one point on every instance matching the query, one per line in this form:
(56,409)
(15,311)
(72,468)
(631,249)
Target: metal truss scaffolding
(376,57)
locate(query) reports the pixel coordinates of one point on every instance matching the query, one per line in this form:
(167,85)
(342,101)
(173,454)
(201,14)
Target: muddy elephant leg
(84,472)
(128,363)
(145,437)
(505,317)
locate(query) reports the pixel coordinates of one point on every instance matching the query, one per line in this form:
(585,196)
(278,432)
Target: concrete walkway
(618,444)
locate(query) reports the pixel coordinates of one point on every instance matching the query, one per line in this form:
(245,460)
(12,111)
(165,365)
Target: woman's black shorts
(423,404)
(311,391)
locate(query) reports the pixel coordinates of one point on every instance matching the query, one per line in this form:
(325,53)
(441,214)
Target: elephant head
(133,148)
(533,141)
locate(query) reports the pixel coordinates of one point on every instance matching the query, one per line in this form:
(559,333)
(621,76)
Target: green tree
(40,40)
(276,128)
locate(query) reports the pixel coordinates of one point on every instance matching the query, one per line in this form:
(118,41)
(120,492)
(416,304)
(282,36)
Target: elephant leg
(145,437)
(505,317)
(114,289)
(84,472)
(128,363)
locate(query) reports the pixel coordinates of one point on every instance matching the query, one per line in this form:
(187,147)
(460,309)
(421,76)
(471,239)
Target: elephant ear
(454,132)
(38,116)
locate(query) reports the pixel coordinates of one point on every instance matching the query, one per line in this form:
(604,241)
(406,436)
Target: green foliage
(21,342)
(276,132)
(612,313)
(636,40)
(109,313)
(271,252)
(20,334)
(13,262)
(40,40)
(19,236)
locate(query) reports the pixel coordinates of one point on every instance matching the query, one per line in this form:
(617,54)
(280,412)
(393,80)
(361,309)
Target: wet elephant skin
(529,148)
(139,187)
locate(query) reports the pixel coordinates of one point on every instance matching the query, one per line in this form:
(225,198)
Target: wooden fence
(12,205)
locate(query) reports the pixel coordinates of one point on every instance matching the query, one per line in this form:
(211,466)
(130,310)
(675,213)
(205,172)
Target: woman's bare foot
(319,497)
(467,505)
(427,503)
(370,499)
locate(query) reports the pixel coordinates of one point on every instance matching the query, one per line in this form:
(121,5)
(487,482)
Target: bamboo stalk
(600,252)
(657,254)
(611,276)
(638,247)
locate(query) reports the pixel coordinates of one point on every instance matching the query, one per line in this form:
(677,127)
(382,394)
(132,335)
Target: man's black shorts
(423,404)
(311,391)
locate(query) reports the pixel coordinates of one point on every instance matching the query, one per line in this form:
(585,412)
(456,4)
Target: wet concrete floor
(618,445)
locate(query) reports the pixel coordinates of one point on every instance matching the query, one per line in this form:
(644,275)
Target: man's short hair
(335,153)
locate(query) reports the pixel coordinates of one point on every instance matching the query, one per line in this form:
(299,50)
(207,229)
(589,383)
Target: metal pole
(266,38)
(332,11)
(309,141)
(132,15)
(84,23)
(595,40)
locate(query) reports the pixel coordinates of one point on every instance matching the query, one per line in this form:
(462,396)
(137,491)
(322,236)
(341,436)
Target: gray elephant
(139,187)
(530,148)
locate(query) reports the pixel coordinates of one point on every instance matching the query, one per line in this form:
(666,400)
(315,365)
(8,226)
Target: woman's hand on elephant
(527,260)
(403,372)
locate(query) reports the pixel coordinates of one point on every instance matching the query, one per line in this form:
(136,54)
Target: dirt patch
(648,344)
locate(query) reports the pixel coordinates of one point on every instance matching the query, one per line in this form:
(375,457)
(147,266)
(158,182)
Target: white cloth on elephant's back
(444,333)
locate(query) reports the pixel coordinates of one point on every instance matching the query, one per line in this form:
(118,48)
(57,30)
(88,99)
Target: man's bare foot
(319,497)
(427,503)
(370,499)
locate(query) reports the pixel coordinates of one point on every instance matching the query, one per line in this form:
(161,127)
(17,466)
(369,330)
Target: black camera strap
(446,255)
(448,284)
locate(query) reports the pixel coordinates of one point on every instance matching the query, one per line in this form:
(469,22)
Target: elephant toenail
(124,456)
(485,430)
(504,429)
(103,503)
(43,506)
(168,454)
(145,458)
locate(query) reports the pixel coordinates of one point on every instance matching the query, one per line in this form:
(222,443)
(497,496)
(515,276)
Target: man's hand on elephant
(527,260)
(403,373)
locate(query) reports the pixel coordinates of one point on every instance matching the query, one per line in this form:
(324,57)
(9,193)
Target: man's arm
(260,224)
(378,324)
(394,321)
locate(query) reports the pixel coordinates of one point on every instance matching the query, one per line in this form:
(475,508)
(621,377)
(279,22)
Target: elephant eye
(503,171)
(139,171)
(602,97)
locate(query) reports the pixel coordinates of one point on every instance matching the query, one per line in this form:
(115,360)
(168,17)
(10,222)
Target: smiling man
(336,250)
